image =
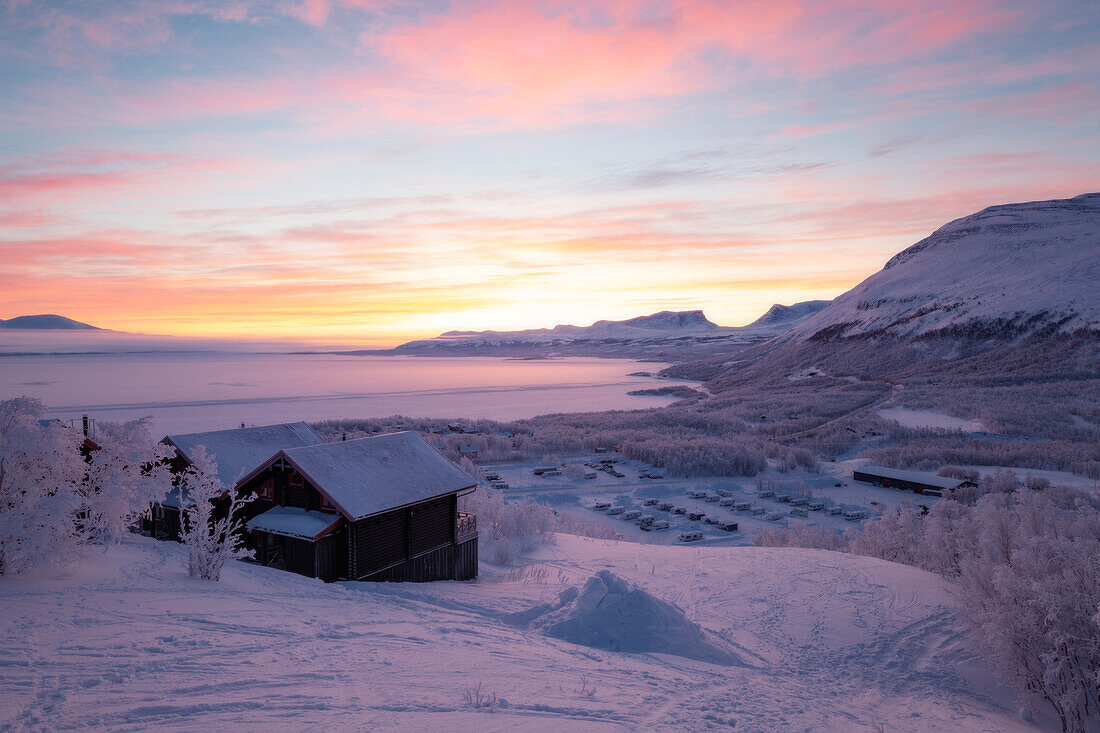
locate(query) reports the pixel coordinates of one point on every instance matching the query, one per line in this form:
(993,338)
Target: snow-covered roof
(176,497)
(917,477)
(372,475)
(294,522)
(240,450)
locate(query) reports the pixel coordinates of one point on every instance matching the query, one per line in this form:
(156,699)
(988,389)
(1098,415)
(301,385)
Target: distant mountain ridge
(657,334)
(47,322)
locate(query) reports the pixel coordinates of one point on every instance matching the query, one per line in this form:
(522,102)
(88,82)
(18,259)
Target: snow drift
(611,614)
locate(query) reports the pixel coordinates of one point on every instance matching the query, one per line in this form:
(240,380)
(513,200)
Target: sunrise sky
(376,171)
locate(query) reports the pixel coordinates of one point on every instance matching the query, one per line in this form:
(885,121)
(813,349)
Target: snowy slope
(826,642)
(1004,272)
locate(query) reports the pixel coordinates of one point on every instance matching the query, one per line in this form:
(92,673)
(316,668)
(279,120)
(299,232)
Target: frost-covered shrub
(213,535)
(41,482)
(1027,568)
(58,499)
(967,474)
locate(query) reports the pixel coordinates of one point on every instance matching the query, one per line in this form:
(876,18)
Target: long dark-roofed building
(383,508)
(917,481)
(236,452)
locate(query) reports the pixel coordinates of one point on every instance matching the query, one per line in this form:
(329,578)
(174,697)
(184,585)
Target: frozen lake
(191,392)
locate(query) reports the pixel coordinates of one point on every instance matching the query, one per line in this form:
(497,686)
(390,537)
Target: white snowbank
(611,614)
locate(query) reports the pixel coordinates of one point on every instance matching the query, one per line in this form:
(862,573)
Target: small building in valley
(237,452)
(383,508)
(917,481)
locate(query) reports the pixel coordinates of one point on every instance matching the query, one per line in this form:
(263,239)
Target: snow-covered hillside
(812,640)
(1004,272)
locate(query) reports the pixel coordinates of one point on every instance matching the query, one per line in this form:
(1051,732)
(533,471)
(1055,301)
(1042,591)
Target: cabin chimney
(84,419)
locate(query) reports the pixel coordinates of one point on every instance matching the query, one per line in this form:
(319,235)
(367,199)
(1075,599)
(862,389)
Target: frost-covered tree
(126,474)
(211,518)
(41,480)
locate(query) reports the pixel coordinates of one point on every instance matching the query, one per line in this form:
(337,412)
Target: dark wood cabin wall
(377,542)
(449,562)
(299,556)
(330,557)
(466,560)
(297,493)
(431,525)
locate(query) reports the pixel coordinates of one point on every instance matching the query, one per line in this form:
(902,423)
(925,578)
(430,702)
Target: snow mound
(608,613)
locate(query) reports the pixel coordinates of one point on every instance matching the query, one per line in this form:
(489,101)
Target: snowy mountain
(785,316)
(635,336)
(46,322)
(1000,274)
(659,325)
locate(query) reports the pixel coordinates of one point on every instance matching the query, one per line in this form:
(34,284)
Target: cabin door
(272,550)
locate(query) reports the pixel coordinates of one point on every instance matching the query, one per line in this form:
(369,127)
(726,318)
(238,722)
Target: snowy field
(577,496)
(815,641)
(929,419)
(187,392)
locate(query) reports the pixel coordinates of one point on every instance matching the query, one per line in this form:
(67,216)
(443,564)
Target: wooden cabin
(237,452)
(383,508)
(916,481)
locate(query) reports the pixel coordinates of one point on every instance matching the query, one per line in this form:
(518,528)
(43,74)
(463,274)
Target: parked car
(783,497)
(756,510)
(631,515)
(764,493)
(695,516)
(665,506)
(711,519)
(799,511)
(741,506)
(773,516)
(616,510)
(816,505)
(835,510)
(651,502)
(645,520)
(723,492)
(659,524)
(799,501)
(691,536)
(855,514)
(679,510)
(697,493)
(727,502)
(600,505)
(712,498)
(727,526)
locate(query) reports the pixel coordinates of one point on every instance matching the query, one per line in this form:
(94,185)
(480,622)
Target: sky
(369,172)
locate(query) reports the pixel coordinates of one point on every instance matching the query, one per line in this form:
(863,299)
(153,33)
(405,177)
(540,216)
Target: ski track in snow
(126,641)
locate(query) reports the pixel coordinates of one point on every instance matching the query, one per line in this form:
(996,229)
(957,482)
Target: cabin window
(297,480)
(267,491)
(327,505)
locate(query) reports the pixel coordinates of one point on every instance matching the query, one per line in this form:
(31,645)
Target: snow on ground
(929,419)
(830,642)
